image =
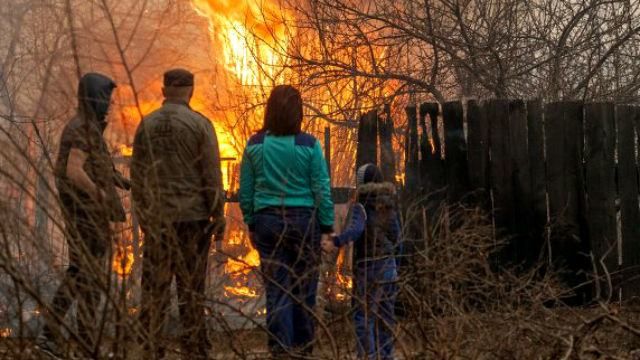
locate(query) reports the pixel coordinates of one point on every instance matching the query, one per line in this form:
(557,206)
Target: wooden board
(628,195)
(600,185)
(478,145)
(456,168)
(565,183)
(501,168)
(412,179)
(537,172)
(522,210)
(327,148)
(387,160)
(367,140)
(432,167)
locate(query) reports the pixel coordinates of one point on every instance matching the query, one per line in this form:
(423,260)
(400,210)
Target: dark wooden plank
(433,111)
(600,184)
(628,194)
(426,153)
(432,164)
(367,151)
(327,148)
(522,211)
(457,170)
(564,163)
(387,160)
(478,144)
(554,132)
(537,173)
(564,151)
(412,179)
(500,168)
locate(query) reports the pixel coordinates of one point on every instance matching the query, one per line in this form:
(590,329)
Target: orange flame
(123,260)
(251,33)
(344,283)
(238,268)
(125,150)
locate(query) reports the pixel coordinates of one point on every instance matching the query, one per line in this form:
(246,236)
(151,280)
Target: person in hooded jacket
(86,180)
(374,228)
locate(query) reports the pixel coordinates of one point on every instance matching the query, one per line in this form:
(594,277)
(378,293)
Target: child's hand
(327,243)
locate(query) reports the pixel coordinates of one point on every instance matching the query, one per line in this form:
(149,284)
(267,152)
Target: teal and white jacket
(285,171)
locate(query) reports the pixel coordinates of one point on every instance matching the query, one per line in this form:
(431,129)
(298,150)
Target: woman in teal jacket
(285,198)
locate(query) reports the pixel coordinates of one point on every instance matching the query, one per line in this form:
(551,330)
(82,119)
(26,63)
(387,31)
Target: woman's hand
(327,243)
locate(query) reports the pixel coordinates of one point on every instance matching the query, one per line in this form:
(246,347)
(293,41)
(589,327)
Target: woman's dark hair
(284,111)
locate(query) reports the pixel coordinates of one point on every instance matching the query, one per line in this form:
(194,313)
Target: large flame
(253,35)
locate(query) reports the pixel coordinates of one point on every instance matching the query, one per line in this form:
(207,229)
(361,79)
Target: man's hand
(327,243)
(77,175)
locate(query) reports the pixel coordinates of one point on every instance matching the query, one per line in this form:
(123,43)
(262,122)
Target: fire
(125,150)
(123,260)
(239,267)
(344,282)
(252,34)
(6,332)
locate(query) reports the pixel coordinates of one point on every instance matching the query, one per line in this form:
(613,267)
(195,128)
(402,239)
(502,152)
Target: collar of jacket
(383,188)
(176,102)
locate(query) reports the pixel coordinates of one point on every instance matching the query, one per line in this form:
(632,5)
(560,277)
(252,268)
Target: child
(374,228)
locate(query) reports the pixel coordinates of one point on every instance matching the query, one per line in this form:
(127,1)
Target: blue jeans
(288,240)
(374,305)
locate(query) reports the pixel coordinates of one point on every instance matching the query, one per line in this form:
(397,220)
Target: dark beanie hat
(368,173)
(178,77)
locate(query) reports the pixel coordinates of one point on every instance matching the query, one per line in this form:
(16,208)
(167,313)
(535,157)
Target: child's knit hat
(368,173)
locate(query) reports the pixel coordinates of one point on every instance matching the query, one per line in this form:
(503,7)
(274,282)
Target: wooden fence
(560,179)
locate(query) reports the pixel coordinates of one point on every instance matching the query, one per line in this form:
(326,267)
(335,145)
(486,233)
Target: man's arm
(79,177)
(139,172)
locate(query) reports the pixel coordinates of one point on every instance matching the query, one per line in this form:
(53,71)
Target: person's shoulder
(198,115)
(305,139)
(358,211)
(152,116)
(76,128)
(199,118)
(256,139)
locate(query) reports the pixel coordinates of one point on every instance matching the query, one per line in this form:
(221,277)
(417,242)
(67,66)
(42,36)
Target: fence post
(367,151)
(385,131)
(327,149)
